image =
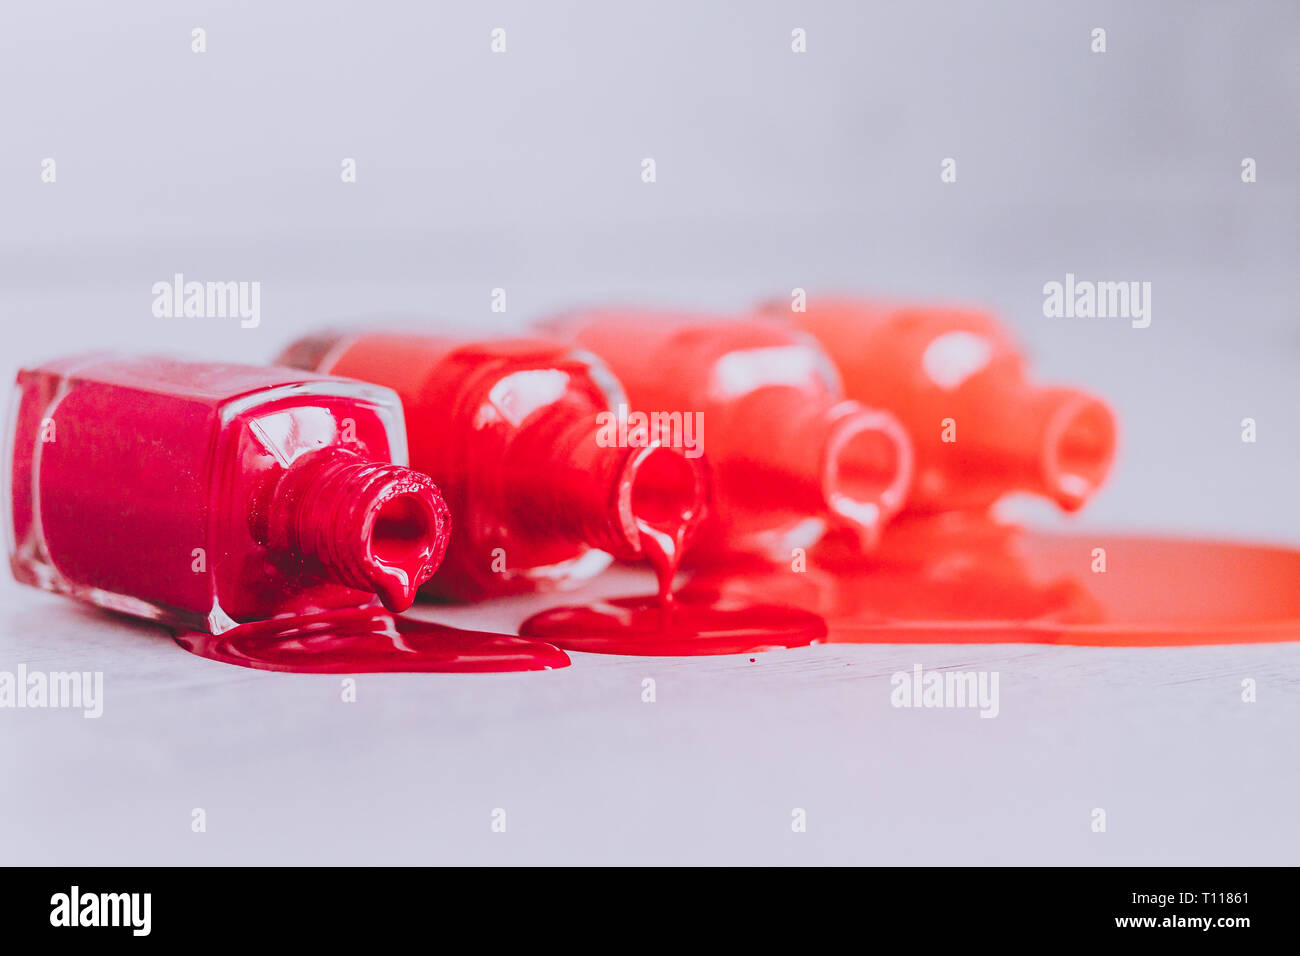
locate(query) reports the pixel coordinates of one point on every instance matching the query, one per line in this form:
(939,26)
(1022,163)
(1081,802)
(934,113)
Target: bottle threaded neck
(566,483)
(866,468)
(1076,448)
(818,456)
(371,525)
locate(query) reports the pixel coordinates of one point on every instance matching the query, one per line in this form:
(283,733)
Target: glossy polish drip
(665,497)
(357,641)
(662,625)
(663,552)
(637,502)
(371,525)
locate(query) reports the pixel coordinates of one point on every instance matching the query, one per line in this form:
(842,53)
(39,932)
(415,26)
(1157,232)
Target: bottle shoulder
(205,383)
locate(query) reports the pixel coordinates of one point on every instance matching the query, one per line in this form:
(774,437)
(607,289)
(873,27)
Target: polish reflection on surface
(963,578)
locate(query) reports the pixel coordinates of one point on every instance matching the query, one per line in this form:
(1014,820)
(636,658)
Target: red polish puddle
(666,626)
(646,626)
(980,583)
(369,640)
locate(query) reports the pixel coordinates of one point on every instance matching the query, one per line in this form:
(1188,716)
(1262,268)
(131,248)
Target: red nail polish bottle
(205,495)
(957,381)
(789,455)
(511,431)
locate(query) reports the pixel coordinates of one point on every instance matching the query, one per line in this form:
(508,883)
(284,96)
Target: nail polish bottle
(514,433)
(955,378)
(206,495)
(790,456)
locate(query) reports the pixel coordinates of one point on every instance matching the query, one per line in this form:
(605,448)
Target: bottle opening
(664,488)
(405,543)
(664,502)
(868,468)
(372,525)
(1079,450)
(402,531)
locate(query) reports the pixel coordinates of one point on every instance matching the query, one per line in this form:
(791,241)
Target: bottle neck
(371,525)
(1054,442)
(641,500)
(1074,445)
(833,459)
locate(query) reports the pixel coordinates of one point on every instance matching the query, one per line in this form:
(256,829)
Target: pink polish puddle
(943,582)
(369,640)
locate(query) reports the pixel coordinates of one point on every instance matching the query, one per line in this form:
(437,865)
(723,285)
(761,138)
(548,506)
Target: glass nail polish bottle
(958,382)
(206,495)
(790,456)
(514,433)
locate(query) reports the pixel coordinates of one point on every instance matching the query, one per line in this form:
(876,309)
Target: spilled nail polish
(962,578)
(369,640)
(662,625)
(651,627)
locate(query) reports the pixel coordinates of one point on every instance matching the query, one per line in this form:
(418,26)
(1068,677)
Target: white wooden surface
(710,773)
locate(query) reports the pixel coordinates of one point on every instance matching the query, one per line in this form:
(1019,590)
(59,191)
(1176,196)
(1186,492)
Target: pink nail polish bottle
(205,495)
